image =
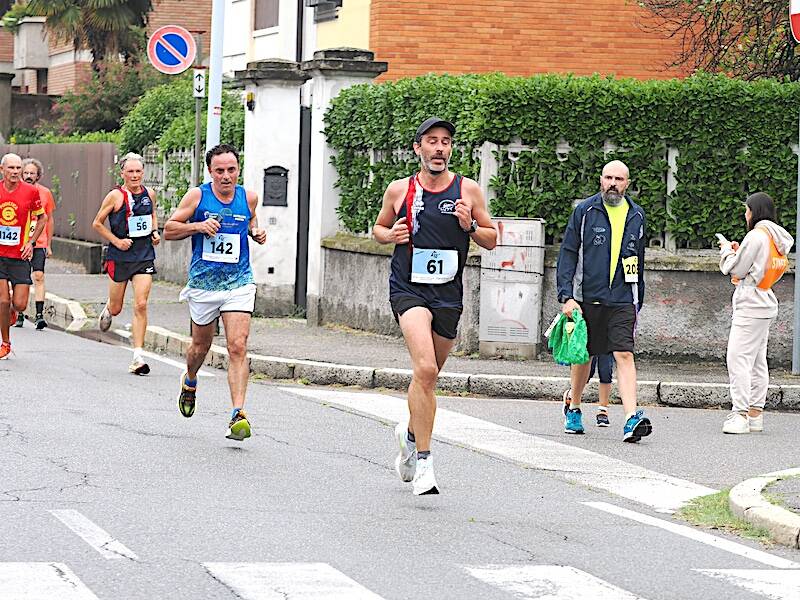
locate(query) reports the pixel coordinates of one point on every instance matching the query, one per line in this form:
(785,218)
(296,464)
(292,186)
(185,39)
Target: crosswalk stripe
(699,536)
(288,581)
(777,585)
(546,582)
(41,581)
(97,538)
(662,492)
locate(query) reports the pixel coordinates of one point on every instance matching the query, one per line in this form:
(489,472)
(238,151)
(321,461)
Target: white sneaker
(756,423)
(139,367)
(424,479)
(105,319)
(736,423)
(406,462)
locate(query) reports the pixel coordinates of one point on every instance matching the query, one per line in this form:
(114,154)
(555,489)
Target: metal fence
(79,175)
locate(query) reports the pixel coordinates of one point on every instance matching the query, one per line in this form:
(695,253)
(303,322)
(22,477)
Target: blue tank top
(142,249)
(434,227)
(221,262)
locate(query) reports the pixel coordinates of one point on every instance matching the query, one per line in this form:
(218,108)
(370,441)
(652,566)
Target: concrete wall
(686,314)
(27,110)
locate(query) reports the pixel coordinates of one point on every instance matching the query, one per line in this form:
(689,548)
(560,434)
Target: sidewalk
(288,348)
(685,384)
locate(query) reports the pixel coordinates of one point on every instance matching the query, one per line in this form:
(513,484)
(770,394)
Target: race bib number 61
(433,266)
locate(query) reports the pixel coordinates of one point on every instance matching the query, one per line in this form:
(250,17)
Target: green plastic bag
(568,340)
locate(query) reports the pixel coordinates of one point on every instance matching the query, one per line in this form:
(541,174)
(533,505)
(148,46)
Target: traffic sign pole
(215,76)
(199,91)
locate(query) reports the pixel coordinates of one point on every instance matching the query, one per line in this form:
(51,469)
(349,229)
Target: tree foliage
(105,27)
(749,39)
(733,138)
(100,103)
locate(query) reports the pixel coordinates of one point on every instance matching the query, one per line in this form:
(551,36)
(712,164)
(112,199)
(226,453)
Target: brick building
(516,37)
(49,66)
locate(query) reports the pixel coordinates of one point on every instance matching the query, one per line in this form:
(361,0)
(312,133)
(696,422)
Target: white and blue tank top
(221,262)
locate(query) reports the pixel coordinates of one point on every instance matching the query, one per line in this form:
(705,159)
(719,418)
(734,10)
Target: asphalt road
(107,492)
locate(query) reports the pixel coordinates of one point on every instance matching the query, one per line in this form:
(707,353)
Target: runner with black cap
(430,217)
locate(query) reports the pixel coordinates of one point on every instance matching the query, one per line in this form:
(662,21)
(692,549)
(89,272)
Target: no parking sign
(171,49)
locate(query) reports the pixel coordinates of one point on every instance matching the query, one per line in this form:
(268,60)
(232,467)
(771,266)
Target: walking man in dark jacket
(600,274)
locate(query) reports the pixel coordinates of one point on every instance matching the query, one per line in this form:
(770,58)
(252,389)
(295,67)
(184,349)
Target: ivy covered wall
(732,138)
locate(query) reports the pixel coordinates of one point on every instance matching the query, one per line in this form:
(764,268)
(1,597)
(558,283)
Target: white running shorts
(205,305)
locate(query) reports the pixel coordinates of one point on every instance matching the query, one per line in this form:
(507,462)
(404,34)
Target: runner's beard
(612,197)
(428,164)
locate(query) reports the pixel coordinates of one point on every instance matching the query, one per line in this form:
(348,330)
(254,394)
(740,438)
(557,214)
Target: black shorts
(39,256)
(445,320)
(124,271)
(15,270)
(611,328)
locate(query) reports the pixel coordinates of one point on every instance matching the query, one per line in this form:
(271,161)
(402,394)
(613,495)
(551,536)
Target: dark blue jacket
(585,257)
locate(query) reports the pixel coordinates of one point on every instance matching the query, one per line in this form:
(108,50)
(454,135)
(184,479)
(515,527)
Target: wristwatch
(473,227)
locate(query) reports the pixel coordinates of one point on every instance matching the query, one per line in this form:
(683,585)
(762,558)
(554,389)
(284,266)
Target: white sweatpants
(747,362)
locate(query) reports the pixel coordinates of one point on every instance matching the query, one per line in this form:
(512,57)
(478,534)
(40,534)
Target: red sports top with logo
(17,209)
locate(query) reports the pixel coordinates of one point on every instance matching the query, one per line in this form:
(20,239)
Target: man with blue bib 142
(430,217)
(219,216)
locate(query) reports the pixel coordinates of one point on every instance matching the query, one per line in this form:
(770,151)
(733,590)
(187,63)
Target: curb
(65,314)
(748,503)
(70,316)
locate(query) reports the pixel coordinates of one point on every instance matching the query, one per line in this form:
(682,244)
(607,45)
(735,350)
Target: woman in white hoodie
(754,266)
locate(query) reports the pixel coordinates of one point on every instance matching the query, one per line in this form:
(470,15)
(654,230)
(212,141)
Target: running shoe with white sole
(736,423)
(239,427)
(139,367)
(602,419)
(636,427)
(20,320)
(40,322)
(5,350)
(756,423)
(424,480)
(187,397)
(406,462)
(105,319)
(573,421)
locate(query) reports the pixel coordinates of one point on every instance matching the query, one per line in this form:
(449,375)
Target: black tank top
(142,248)
(434,227)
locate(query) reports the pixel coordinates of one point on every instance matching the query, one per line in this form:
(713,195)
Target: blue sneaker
(573,423)
(637,427)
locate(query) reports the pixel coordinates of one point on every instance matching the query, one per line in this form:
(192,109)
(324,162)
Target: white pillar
(331,71)
(272,139)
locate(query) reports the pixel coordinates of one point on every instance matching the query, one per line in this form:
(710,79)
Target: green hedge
(733,136)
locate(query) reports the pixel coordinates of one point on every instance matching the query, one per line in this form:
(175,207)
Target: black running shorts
(124,271)
(445,320)
(611,328)
(39,257)
(15,270)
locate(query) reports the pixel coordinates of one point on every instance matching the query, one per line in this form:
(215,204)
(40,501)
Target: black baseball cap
(429,124)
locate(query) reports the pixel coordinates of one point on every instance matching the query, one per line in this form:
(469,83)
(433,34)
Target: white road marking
(662,492)
(41,581)
(698,536)
(545,582)
(778,585)
(288,581)
(97,538)
(159,358)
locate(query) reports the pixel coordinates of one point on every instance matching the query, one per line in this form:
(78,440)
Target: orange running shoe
(5,350)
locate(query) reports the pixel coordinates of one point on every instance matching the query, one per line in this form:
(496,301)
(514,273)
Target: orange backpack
(777,264)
